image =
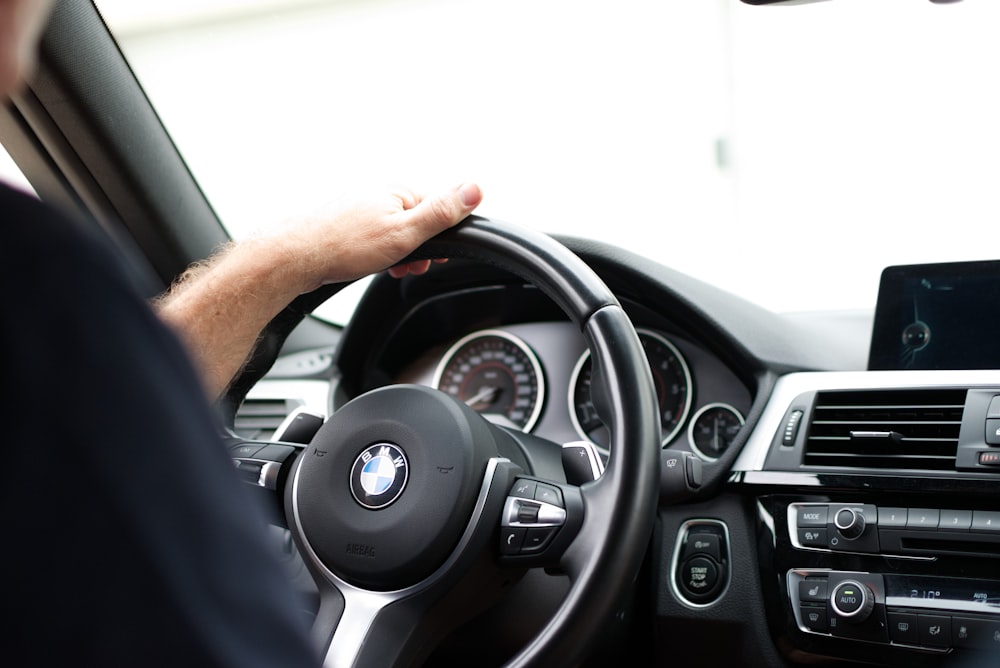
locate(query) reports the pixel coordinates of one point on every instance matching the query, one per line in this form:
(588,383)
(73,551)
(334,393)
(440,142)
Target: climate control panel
(927,612)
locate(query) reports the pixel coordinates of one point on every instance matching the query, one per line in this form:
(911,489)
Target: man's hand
(220,307)
(349,240)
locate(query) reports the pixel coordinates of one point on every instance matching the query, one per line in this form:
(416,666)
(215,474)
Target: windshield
(786,154)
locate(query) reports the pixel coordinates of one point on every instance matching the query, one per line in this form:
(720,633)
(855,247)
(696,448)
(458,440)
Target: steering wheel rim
(604,555)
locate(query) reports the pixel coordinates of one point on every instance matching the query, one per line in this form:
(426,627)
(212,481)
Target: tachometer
(496,374)
(670,376)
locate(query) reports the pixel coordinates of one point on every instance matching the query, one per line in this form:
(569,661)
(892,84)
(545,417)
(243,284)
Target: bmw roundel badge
(379,475)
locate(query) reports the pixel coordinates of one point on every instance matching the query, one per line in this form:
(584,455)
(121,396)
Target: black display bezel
(977,348)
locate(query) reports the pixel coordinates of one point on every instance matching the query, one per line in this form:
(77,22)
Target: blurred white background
(784,153)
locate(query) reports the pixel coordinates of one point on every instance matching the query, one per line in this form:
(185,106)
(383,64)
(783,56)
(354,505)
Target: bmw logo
(379,475)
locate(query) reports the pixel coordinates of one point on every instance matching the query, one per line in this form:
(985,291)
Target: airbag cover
(388,484)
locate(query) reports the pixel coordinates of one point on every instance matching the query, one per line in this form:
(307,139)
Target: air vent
(257,419)
(886,429)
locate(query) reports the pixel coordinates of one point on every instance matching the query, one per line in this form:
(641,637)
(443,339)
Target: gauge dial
(713,429)
(496,374)
(671,378)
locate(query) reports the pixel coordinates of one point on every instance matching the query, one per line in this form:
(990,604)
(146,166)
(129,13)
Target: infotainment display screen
(937,316)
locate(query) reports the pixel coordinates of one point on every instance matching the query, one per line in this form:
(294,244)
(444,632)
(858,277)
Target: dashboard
(835,514)
(536,377)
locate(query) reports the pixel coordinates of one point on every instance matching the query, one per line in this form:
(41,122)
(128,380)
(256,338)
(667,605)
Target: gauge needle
(485,394)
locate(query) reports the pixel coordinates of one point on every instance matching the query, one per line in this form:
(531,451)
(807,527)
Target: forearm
(220,307)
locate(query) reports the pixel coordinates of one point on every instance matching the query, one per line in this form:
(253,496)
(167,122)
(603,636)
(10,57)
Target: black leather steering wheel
(411,517)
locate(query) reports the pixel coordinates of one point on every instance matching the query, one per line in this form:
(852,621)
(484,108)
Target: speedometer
(496,374)
(671,378)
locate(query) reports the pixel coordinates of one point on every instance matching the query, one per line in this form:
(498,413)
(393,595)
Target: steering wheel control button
(852,601)
(923,518)
(812,516)
(527,526)
(245,450)
(535,539)
(699,577)
(935,630)
(903,628)
(511,539)
(527,513)
(850,522)
(524,489)
(548,494)
(813,590)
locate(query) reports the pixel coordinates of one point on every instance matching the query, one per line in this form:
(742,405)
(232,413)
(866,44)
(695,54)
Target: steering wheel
(411,518)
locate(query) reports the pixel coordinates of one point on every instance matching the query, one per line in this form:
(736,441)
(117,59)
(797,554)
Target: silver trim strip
(688,391)
(697,416)
(788,387)
(548,515)
(362,606)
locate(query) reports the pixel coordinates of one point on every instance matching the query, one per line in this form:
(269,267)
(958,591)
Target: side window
(10,174)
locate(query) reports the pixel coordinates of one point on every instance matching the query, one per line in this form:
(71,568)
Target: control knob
(850,522)
(852,601)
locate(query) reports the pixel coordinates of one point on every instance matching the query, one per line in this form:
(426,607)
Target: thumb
(439,212)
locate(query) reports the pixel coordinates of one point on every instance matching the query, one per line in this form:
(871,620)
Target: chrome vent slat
(923,424)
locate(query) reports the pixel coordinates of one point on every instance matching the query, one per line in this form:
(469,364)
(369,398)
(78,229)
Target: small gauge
(713,429)
(496,374)
(671,378)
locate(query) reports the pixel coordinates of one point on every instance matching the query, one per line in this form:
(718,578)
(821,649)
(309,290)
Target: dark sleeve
(129,539)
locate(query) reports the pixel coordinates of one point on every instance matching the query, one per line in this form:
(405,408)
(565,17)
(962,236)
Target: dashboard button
(975,633)
(903,628)
(987,521)
(813,589)
(993,431)
(891,518)
(703,543)
(814,617)
(994,409)
(989,458)
(852,601)
(812,516)
(935,630)
(850,522)
(812,537)
(955,520)
(699,577)
(922,518)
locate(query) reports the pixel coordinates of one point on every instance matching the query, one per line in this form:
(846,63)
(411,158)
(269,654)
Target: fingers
(439,212)
(417,267)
